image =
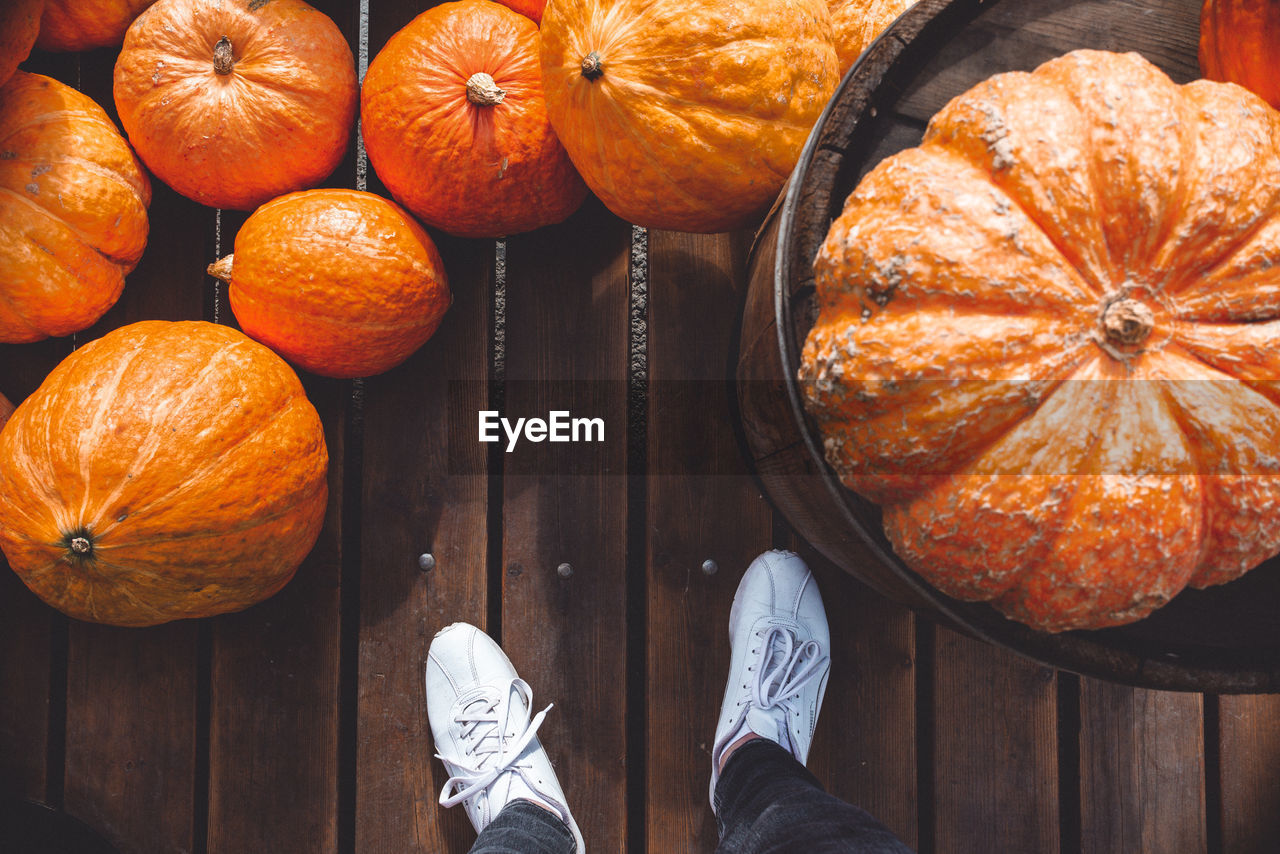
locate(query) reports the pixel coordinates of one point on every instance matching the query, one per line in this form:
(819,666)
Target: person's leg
(523,827)
(768,803)
(764,799)
(479,711)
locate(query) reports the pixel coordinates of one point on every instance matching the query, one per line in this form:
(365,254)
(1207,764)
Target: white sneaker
(479,709)
(780,658)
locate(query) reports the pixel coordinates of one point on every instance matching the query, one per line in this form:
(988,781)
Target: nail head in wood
(426,562)
(564,570)
(710,567)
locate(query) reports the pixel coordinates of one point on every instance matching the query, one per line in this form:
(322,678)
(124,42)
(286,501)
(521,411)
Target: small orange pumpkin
(19,25)
(1047,341)
(163,471)
(73,214)
(858,23)
(456,126)
(686,114)
(339,282)
(70,25)
(234,102)
(531,9)
(1240,43)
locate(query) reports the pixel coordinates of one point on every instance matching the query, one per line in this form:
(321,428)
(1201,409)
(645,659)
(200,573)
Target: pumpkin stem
(81,545)
(1127,322)
(483,91)
(223,56)
(221,269)
(592,66)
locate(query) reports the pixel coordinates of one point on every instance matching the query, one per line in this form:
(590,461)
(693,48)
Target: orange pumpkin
(686,115)
(531,9)
(456,127)
(84,24)
(339,282)
(19,25)
(1047,341)
(858,23)
(163,471)
(73,214)
(1240,43)
(234,102)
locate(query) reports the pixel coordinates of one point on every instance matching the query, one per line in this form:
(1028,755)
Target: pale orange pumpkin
(234,102)
(1049,340)
(686,114)
(19,25)
(85,24)
(858,23)
(73,211)
(163,471)
(455,123)
(339,282)
(1240,43)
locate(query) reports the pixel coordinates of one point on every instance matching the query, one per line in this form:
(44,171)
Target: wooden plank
(565,504)
(25,626)
(1141,769)
(864,750)
(995,756)
(423,493)
(1249,752)
(702,505)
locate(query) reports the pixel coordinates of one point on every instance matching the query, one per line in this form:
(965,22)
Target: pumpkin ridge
(89,166)
(196,474)
(52,116)
(36,204)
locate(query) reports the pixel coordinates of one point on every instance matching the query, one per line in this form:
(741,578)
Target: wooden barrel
(1224,639)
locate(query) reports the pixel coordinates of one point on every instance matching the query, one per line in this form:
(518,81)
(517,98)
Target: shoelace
(484,733)
(783,670)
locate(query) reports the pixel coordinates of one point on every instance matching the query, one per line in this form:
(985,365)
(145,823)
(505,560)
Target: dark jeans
(766,803)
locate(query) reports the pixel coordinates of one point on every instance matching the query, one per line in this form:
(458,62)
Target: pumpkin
(6,409)
(339,282)
(531,9)
(1048,338)
(455,124)
(686,115)
(70,25)
(1240,43)
(19,25)
(163,471)
(234,102)
(73,211)
(858,23)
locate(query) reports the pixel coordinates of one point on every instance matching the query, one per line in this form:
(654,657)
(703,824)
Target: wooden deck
(299,725)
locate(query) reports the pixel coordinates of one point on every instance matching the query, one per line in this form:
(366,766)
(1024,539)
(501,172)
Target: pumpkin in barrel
(858,23)
(73,210)
(1240,43)
(1049,339)
(163,471)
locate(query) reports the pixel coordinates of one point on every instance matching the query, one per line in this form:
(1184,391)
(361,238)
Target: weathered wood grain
(425,492)
(1142,785)
(702,506)
(1248,755)
(995,762)
(564,508)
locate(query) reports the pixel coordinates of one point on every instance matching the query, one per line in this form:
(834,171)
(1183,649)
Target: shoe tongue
(768,725)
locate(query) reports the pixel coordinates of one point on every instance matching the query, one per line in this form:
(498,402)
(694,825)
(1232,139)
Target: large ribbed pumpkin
(163,471)
(1240,43)
(1049,338)
(686,114)
(339,282)
(19,25)
(86,24)
(858,23)
(73,209)
(234,102)
(455,123)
